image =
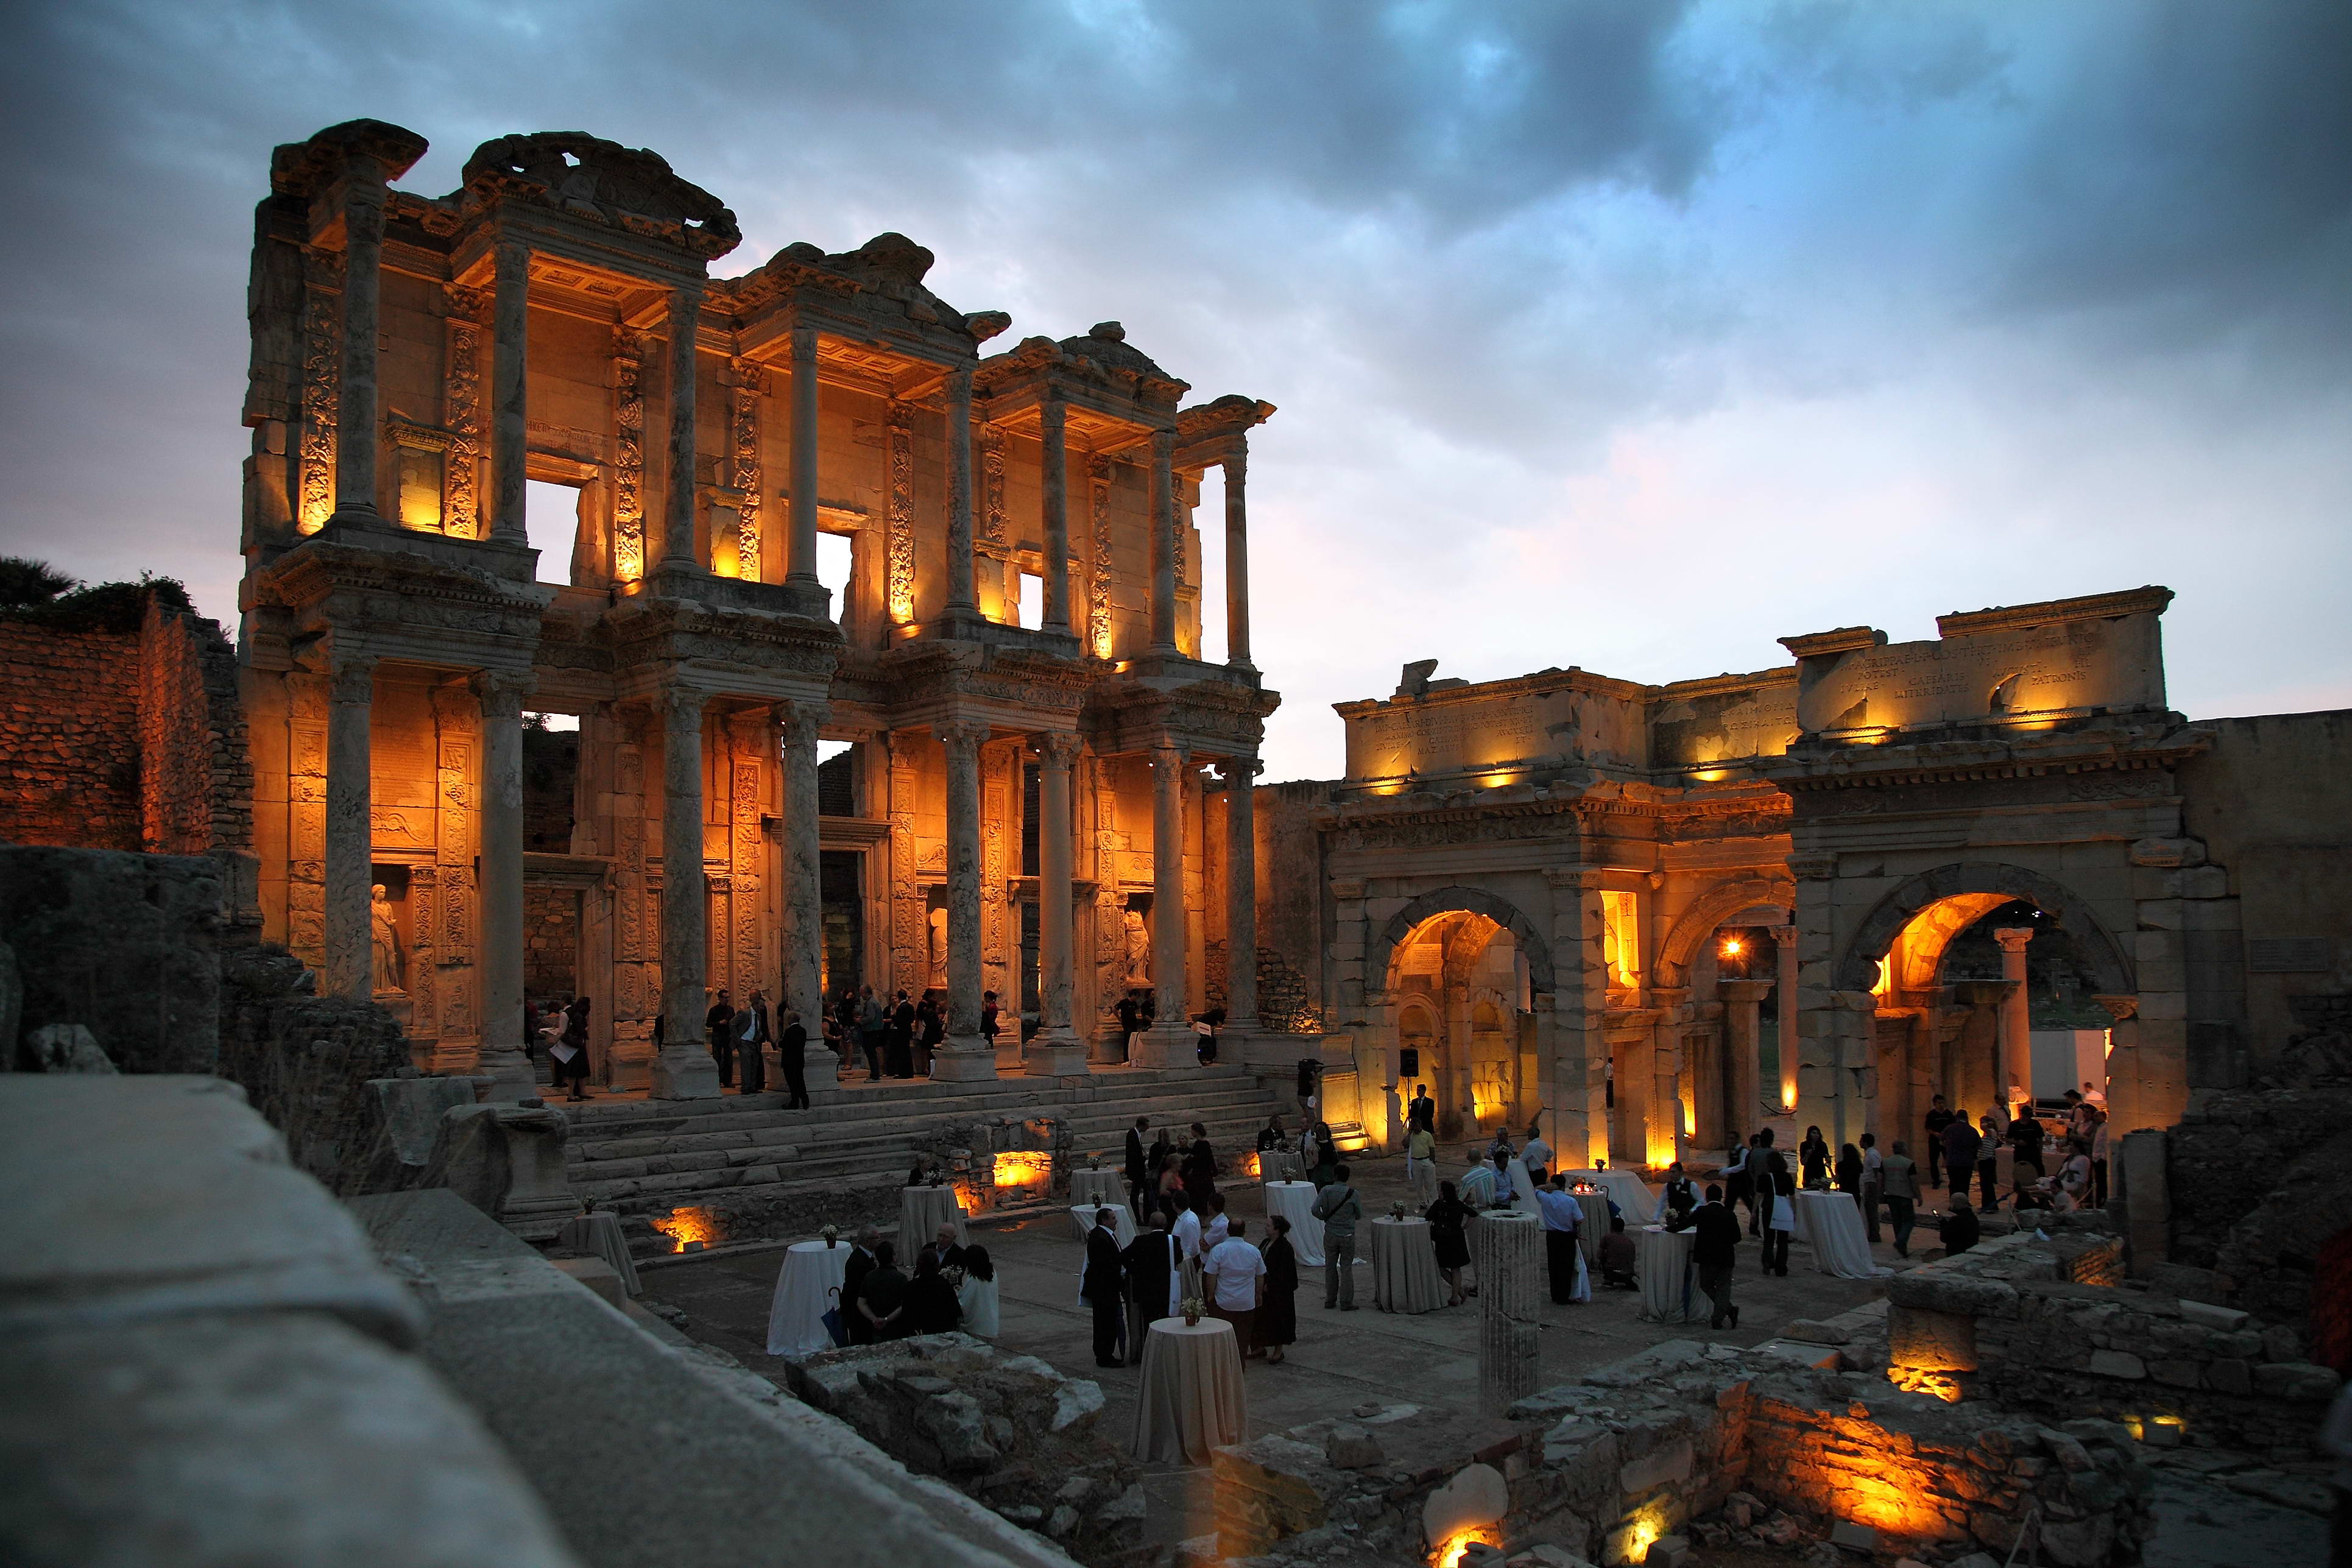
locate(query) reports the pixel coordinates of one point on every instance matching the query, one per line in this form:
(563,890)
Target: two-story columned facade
(1027,811)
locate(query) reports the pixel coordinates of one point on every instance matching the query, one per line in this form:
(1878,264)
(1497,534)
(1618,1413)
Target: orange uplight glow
(1023,1169)
(1916,1380)
(1733,947)
(685,1225)
(1458,1546)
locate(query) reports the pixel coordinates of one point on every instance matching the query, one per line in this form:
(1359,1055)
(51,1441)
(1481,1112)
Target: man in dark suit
(1150,1264)
(718,1029)
(853,1275)
(1774,1186)
(1139,1169)
(900,1050)
(1421,1111)
(1714,1252)
(1100,1286)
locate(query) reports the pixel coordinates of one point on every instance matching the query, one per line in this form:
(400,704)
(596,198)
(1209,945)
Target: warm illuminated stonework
(1013,795)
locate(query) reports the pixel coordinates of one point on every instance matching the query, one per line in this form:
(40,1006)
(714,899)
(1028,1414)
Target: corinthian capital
(961,737)
(501,692)
(681,709)
(799,723)
(1059,750)
(352,678)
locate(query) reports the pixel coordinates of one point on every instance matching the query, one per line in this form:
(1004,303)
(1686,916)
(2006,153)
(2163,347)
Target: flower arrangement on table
(832,1235)
(1396,1210)
(1191,1306)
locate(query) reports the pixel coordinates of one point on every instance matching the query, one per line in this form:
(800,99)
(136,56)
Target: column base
(1105,1051)
(511,1077)
(964,1062)
(809,598)
(684,1072)
(1163,1047)
(819,1066)
(1055,1055)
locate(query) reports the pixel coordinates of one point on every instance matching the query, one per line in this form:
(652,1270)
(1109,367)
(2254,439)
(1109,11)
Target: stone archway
(1379,956)
(1973,882)
(1717,904)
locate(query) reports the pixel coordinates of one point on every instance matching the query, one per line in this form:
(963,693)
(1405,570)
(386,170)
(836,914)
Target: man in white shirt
(1215,1228)
(1874,1179)
(1563,1215)
(1234,1276)
(1186,1228)
(1536,1156)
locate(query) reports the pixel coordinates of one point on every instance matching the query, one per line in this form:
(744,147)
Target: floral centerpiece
(1191,1306)
(832,1234)
(1396,1210)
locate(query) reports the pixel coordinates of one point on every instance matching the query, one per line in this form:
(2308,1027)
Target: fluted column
(1056,1052)
(1169,1042)
(1241,894)
(800,575)
(501,694)
(803,901)
(1163,541)
(350,831)
(509,403)
(684,1069)
(1743,1054)
(1784,940)
(356,428)
(966,1057)
(1055,477)
(1237,626)
(2013,1056)
(1507,1249)
(677,515)
(960,600)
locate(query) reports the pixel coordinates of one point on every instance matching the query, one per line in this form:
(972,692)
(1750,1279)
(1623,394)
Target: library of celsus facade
(1023,810)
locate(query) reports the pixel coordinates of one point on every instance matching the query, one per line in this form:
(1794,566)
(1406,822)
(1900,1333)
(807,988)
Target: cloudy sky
(1629,335)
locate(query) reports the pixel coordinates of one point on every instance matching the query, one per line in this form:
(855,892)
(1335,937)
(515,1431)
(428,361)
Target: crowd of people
(952,1286)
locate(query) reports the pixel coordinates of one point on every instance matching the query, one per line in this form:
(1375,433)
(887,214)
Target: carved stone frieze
(322,351)
(743,463)
(461,394)
(1099,637)
(898,517)
(629,453)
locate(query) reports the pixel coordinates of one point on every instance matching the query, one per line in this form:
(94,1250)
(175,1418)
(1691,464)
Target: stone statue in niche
(939,969)
(385,936)
(1139,949)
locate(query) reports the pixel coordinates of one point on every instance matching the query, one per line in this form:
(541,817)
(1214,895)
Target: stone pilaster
(1241,894)
(683,1070)
(350,844)
(1057,1052)
(1101,638)
(509,397)
(1506,1247)
(2013,1060)
(965,1055)
(804,903)
(1743,1051)
(1164,573)
(677,514)
(502,693)
(1169,1042)
(1054,477)
(960,600)
(356,422)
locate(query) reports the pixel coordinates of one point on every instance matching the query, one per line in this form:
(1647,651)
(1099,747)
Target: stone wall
(305,1061)
(124,944)
(2007,1323)
(550,942)
(69,718)
(2254,1181)
(1741,1448)
(195,772)
(1009,1430)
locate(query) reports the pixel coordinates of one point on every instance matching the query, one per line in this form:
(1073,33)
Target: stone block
(2229,1375)
(1669,1551)
(2117,1363)
(2295,1380)
(84,924)
(1930,1340)
(1350,1448)
(598,1276)
(1942,1290)
(2173,1373)
(61,1047)
(1476,1496)
(1814,1331)
(1669,1465)
(1848,1536)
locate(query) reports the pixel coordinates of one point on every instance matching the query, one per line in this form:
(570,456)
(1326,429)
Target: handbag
(834,1325)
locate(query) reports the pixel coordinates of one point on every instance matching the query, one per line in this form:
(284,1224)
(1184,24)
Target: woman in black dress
(1813,1158)
(1849,1170)
(1277,1313)
(1449,1218)
(932,1304)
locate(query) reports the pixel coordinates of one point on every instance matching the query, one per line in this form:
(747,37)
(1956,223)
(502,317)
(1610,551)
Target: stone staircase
(770,1169)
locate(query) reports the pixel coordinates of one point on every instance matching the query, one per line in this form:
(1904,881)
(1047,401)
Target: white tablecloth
(1294,1200)
(921,1211)
(1122,1220)
(1404,1266)
(600,1234)
(1596,1226)
(1830,1223)
(1670,1292)
(1631,1194)
(1190,1400)
(1097,1187)
(804,1286)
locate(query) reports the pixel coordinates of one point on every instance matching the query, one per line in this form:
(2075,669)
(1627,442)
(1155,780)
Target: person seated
(1618,1257)
(1959,1230)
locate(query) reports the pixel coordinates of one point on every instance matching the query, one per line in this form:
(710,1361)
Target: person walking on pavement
(1939,1116)
(1898,1180)
(1102,1287)
(1563,1258)
(1339,1209)
(1715,1253)
(1989,1166)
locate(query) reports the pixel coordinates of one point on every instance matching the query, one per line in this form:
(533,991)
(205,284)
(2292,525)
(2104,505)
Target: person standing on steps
(750,1045)
(790,1047)
(719,1030)
(872,1024)
(1339,1208)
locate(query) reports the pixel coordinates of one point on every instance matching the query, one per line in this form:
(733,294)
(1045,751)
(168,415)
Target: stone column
(1743,1050)
(1057,1052)
(1784,942)
(2125,1089)
(683,1071)
(2013,1057)
(808,591)
(1055,478)
(1674,1099)
(1163,541)
(960,601)
(510,401)
(677,516)
(965,1055)
(356,429)
(803,900)
(1572,1070)
(1237,626)
(350,856)
(1508,1250)
(1241,895)
(1169,1042)
(501,693)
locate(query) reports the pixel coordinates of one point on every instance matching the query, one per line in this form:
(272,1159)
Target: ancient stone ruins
(441,778)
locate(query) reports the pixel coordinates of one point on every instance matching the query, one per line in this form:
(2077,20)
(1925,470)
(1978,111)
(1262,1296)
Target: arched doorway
(1457,980)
